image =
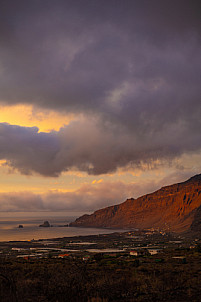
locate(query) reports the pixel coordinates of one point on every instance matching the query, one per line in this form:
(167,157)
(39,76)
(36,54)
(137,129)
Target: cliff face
(174,208)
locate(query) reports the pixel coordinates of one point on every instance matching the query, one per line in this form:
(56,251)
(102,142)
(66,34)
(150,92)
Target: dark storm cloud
(27,150)
(86,146)
(133,65)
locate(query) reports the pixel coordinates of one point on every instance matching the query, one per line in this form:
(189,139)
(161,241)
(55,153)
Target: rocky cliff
(174,208)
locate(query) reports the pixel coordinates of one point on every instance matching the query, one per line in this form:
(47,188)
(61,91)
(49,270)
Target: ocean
(10,231)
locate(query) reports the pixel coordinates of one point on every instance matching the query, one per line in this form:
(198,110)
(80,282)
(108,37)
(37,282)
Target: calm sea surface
(9,223)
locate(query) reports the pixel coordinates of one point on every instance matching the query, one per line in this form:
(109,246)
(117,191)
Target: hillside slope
(174,208)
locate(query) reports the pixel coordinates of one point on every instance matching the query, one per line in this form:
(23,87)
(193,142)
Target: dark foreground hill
(174,208)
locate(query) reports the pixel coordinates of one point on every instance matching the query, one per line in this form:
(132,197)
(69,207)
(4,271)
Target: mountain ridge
(174,207)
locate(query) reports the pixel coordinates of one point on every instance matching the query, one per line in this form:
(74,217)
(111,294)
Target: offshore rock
(45,224)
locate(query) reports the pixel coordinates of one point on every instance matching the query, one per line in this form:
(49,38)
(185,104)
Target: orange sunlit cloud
(27,116)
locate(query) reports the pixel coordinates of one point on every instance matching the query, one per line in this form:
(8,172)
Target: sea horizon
(10,221)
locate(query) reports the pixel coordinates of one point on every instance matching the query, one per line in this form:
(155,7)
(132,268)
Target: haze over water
(10,231)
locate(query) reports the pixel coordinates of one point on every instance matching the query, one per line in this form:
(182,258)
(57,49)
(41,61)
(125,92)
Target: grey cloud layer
(133,65)
(75,56)
(88,197)
(87,145)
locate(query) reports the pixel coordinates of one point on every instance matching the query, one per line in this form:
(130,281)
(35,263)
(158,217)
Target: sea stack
(46,224)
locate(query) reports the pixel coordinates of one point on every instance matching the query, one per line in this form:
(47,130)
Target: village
(136,243)
(130,266)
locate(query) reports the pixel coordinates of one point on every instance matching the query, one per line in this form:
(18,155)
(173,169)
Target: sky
(100,101)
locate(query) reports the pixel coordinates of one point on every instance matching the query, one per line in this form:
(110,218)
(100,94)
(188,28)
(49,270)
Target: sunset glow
(98,102)
(28,116)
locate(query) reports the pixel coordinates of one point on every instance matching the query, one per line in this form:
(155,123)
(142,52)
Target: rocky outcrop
(46,224)
(196,224)
(173,208)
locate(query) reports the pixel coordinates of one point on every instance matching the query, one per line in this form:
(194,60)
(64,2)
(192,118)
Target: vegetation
(103,278)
